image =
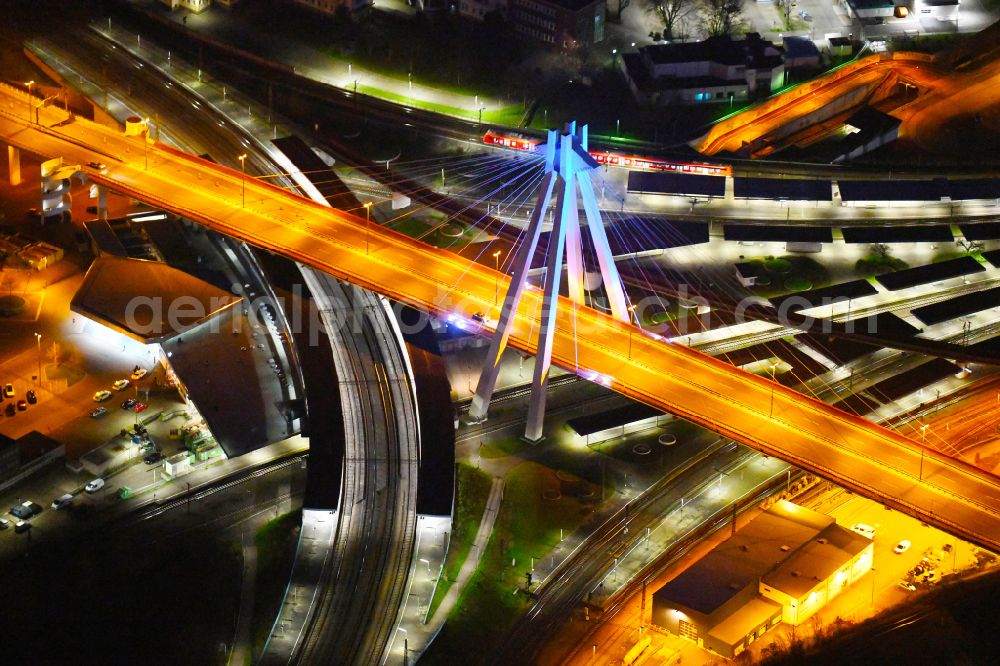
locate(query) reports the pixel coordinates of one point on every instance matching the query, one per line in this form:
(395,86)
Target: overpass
(848,450)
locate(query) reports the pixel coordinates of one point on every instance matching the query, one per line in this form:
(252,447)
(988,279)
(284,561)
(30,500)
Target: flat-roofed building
(564,23)
(782,566)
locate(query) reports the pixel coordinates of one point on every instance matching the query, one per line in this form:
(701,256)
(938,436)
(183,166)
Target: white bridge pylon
(567,176)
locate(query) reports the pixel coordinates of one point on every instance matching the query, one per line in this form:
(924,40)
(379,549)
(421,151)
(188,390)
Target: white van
(62,502)
(866,531)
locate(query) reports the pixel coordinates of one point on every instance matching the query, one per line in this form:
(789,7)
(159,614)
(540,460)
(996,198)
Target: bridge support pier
(14,165)
(567,167)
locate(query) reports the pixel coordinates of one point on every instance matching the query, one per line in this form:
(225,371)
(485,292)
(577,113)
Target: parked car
(4,523)
(8,390)
(21,527)
(901,547)
(33,507)
(21,405)
(129,403)
(98,413)
(153,458)
(909,587)
(805,15)
(62,502)
(139,406)
(20,511)
(32,398)
(101,396)
(100,166)
(10,409)
(94,485)
(138,374)
(864,530)
(120,385)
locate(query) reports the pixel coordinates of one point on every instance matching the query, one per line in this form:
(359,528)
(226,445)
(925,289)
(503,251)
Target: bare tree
(721,16)
(785,11)
(621,5)
(670,13)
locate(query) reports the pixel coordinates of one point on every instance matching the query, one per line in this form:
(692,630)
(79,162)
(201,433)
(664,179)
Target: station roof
(612,418)
(147,300)
(826,295)
(942,270)
(676,183)
(893,190)
(793,189)
(777,233)
(935,313)
(981,231)
(923,233)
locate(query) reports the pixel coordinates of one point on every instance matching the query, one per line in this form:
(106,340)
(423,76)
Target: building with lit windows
(331,6)
(718,69)
(478,9)
(562,23)
(783,566)
(191,5)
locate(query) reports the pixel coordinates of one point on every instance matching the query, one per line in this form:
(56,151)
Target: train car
(607,158)
(510,141)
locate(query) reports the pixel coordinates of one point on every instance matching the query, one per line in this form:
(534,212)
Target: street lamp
(496,290)
(38,338)
(368,222)
(145,145)
(29,84)
(243,167)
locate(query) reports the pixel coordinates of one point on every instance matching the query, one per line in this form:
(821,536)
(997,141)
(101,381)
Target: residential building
(718,69)
(782,566)
(478,9)
(563,23)
(197,6)
(331,6)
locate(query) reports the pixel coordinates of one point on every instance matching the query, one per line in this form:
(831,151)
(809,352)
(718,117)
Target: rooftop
(146,300)
(748,556)
(751,51)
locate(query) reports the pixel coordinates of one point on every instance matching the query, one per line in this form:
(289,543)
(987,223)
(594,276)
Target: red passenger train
(514,142)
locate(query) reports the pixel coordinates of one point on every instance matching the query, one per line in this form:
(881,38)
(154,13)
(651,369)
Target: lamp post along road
(368,222)
(496,289)
(243,168)
(38,338)
(29,85)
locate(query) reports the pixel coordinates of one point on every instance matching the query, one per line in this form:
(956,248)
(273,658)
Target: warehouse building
(782,567)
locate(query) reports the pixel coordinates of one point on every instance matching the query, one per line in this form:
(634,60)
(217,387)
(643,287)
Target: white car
(94,485)
(901,547)
(864,530)
(62,502)
(120,385)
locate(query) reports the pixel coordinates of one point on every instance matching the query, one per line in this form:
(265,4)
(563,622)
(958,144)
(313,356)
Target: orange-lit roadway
(764,415)
(942,97)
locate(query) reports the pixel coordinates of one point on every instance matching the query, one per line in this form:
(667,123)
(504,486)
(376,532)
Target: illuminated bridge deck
(764,415)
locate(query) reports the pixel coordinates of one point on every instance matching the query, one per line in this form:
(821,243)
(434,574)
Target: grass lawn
(527,526)
(276,541)
(510,115)
(788,273)
(502,448)
(473,491)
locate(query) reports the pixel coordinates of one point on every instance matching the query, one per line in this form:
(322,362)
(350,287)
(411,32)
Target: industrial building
(782,567)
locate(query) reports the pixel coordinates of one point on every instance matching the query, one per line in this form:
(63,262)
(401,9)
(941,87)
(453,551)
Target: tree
(670,13)
(721,16)
(785,11)
(621,5)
